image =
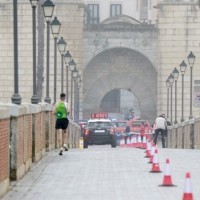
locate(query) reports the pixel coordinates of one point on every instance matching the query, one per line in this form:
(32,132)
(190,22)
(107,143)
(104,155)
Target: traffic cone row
(152,153)
(135,141)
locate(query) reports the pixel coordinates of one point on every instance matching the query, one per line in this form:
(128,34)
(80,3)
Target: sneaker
(65,147)
(61,152)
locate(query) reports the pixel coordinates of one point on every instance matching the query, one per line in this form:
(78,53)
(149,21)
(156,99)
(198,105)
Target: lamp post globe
(183,67)
(75,73)
(72,65)
(55,27)
(168,83)
(34,2)
(175,74)
(171,79)
(62,45)
(48,8)
(67,58)
(191,59)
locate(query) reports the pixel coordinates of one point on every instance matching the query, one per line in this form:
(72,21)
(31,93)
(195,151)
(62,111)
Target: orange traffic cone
(134,141)
(187,195)
(122,143)
(152,153)
(167,180)
(144,143)
(155,166)
(139,142)
(148,149)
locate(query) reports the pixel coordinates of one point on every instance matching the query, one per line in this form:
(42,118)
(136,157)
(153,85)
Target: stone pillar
(4,149)
(20,141)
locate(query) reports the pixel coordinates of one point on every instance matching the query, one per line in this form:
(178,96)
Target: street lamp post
(35,98)
(55,28)
(78,96)
(61,47)
(175,74)
(67,58)
(72,66)
(171,80)
(168,86)
(183,67)
(75,75)
(16,99)
(48,8)
(191,60)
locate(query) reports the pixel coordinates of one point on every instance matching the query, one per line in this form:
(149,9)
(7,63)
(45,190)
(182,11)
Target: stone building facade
(135,49)
(141,10)
(179,30)
(122,55)
(70,14)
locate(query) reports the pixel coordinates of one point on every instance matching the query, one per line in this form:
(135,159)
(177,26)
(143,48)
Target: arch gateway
(120,54)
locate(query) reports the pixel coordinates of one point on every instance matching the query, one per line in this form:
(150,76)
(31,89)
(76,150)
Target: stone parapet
(185,135)
(29,131)
(178,1)
(4,149)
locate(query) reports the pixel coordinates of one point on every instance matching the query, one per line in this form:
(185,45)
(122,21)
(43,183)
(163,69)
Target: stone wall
(122,56)
(29,131)
(4,149)
(70,14)
(185,135)
(179,29)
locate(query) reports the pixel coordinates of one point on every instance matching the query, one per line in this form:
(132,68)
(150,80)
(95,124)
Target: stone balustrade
(179,1)
(27,132)
(185,135)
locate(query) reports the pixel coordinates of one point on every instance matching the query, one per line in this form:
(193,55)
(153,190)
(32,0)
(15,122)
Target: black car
(99,131)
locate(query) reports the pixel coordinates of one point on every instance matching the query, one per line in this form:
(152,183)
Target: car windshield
(99,124)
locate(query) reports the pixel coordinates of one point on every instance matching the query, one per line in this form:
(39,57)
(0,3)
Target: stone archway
(119,102)
(120,68)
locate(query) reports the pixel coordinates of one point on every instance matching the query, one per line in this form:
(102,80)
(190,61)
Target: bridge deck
(102,173)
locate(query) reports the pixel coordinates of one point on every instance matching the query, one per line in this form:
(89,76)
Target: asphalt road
(105,173)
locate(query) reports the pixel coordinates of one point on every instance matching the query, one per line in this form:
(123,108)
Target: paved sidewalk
(103,173)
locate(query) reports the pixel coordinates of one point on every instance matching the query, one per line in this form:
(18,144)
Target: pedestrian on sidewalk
(160,128)
(142,131)
(127,134)
(62,111)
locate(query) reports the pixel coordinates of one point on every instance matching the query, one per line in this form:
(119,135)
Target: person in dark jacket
(127,132)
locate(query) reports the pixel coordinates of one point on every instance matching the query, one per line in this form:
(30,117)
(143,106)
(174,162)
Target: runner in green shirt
(61,111)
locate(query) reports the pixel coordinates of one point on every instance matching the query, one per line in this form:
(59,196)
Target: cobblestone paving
(103,173)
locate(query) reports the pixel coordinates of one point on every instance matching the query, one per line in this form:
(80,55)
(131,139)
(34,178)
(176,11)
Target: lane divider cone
(134,141)
(155,165)
(139,142)
(144,143)
(122,143)
(148,149)
(187,195)
(167,179)
(152,153)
